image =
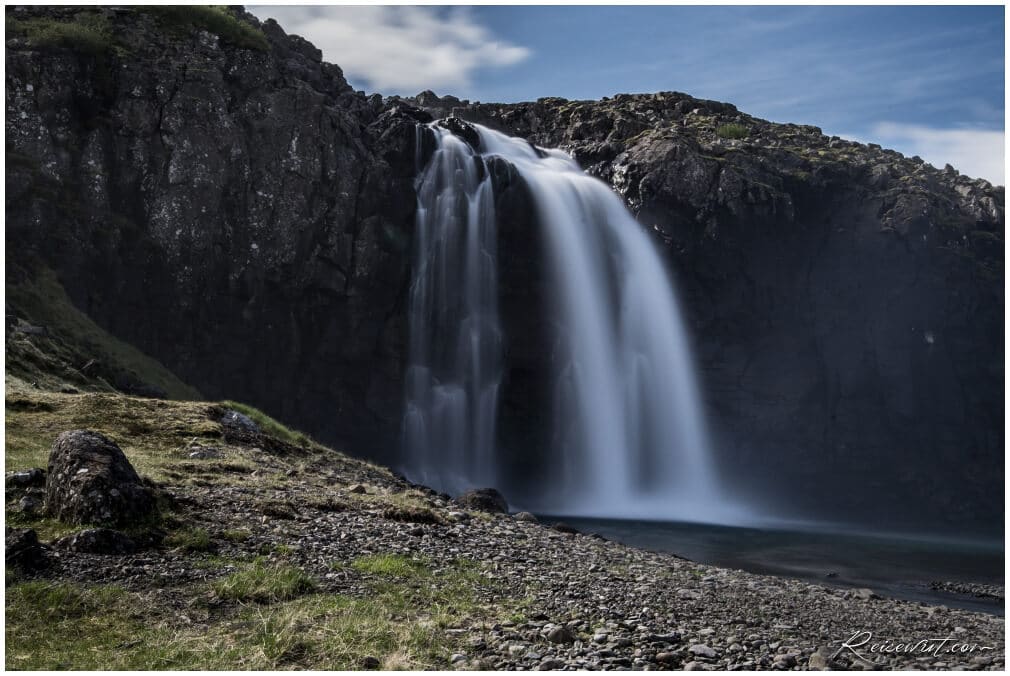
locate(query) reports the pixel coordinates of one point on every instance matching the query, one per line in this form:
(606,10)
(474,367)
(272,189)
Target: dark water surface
(894,565)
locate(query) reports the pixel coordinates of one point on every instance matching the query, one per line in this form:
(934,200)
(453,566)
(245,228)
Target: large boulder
(90,481)
(485,500)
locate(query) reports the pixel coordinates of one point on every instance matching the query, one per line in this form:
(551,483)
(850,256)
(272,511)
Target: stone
(358,489)
(205,453)
(97,541)
(370,662)
(457,657)
(27,478)
(561,634)
(31,506)
(22,549)
(787,661)
(526,516)
(90,481)
(563,527)
(702,650)
(820,660)
(239,421)
(667,658)
(551,664)
(485,500)
(865,594)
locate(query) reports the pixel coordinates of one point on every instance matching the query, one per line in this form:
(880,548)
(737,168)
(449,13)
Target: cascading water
(455,340)
(629,427)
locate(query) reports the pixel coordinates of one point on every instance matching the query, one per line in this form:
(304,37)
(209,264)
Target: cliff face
(241,214)
(238,212)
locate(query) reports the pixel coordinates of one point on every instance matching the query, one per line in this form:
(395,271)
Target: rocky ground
(271,551)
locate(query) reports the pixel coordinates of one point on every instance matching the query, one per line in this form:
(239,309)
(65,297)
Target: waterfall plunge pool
(900,566)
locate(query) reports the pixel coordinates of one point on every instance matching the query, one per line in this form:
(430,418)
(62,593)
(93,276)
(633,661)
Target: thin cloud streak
(402,49)
(974,152)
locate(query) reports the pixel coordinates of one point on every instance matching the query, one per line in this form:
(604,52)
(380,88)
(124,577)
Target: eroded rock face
(90,481)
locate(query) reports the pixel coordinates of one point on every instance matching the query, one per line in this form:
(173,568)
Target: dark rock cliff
(239,212)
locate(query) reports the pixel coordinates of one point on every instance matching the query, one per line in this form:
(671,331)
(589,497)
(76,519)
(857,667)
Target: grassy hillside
(52,343)
(246,597)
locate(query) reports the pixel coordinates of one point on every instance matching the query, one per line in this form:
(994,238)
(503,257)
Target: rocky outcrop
(91,482)
(245,217)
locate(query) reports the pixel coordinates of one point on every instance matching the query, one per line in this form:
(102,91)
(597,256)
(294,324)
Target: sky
(924,80)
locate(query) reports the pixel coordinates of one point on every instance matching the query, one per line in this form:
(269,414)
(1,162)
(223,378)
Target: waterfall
(629,428)
(454,367)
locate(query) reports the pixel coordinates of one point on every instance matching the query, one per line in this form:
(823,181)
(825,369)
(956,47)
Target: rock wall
(244,216)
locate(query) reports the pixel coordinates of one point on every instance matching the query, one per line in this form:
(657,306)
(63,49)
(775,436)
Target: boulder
(91,482)
(527,517)
(561,634)
(22,549)
(239,421)
(485,500)
(97,541)
(32,504)
(563,527)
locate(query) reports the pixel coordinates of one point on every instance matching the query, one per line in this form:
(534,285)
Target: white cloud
(974,152)
(401,50)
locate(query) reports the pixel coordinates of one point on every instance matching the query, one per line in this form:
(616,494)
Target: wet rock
(485,500)
(97,541)
(90,481)
(22,549)
(461,129)
(563,527)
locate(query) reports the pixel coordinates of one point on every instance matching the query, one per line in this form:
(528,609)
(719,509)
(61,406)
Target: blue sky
(925,80)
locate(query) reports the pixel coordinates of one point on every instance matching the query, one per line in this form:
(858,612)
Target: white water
(454,370)
(629,425)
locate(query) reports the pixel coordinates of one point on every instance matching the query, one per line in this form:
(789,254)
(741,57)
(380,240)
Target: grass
(149,431)
(80,344)
(87,32)
(190,540)
(269,425)
(391,565)
(216,19)
(732,131)
(260,582)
